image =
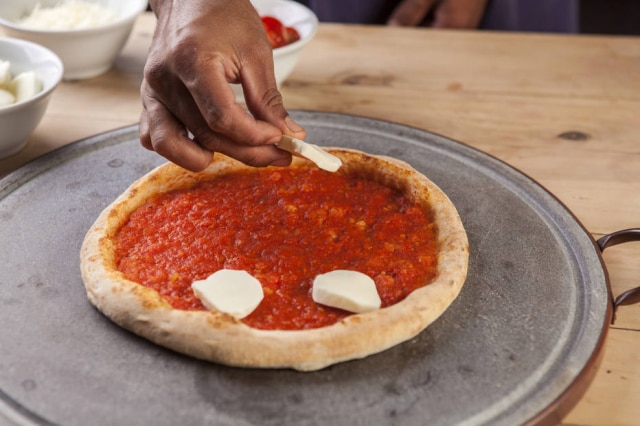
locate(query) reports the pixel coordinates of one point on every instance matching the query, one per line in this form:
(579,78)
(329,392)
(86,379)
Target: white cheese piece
(6,98)
(5,73)
(312,152)
(236,293)
(349,290)
(25,85)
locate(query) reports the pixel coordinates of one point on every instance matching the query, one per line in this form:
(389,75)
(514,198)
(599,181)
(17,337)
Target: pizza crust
(217,337)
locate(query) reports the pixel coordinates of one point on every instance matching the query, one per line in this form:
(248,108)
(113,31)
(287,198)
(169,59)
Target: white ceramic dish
(294,15)
(85,52)
(17,121)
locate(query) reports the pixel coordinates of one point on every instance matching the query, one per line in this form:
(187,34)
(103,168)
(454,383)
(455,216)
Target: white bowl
(17,121)
(86,52)
(291,14)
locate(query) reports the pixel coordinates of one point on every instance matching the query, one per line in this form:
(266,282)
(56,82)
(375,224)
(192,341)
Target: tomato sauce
(284,226)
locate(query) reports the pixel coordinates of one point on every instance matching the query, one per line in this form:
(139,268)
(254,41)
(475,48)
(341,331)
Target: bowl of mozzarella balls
(86,34)
(29,73)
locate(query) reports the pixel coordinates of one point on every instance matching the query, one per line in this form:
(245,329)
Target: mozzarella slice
(349,290)
(25,85)
(312,152)
(236,293)
(6,98)
(5,73)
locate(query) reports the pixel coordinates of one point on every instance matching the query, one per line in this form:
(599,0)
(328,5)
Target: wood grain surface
(564,109)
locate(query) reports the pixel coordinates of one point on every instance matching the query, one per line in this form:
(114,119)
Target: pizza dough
(220,338)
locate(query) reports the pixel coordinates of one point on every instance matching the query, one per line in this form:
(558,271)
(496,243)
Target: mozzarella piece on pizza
(312,152)
(349,290)
(236,293)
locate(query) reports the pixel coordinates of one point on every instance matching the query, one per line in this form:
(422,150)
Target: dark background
(621,17)
(617,17)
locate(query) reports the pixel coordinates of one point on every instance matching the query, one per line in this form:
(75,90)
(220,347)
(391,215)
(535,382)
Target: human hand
(462,14)
(198,48)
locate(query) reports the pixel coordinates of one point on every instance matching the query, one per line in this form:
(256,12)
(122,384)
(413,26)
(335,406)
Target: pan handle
(631,296)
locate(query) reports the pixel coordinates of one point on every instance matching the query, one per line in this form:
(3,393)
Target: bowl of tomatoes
(290,26)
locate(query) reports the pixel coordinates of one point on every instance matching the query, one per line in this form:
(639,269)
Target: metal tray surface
(525,325)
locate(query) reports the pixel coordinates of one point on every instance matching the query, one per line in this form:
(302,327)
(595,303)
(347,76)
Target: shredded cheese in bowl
(68,15)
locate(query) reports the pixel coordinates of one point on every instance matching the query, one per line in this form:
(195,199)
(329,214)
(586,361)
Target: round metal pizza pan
(517,343)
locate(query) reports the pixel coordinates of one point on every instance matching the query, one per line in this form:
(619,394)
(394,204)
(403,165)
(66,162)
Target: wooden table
(565,110)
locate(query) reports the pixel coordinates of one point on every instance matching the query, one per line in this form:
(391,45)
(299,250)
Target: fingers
(265,102)
(460,14)
(215,100)
(203,47)
(223,126)
(161,132)
(410,12)
(463,14)
(256,156)
(206,104)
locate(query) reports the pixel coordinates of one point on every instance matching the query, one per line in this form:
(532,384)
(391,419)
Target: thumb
(265,103)
(410,13)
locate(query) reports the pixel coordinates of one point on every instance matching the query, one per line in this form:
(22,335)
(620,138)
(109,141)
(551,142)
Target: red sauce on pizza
(284,226)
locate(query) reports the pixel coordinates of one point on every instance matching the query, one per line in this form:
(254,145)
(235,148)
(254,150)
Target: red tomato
(275,31)
(278,34)
(291,35)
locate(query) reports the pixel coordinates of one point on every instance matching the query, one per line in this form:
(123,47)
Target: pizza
(288,242)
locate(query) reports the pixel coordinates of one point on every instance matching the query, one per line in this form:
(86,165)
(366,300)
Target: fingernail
(292,125)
